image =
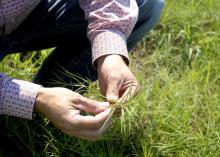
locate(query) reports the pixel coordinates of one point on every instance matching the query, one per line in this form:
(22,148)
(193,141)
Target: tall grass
(177,110)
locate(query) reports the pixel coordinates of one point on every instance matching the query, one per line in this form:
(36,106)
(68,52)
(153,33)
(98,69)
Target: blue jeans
(61,24)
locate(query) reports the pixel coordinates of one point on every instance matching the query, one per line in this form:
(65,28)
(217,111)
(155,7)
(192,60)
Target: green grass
(177,110)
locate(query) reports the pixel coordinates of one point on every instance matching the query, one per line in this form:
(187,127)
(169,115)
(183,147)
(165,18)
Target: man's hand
(62,107)
(116,80)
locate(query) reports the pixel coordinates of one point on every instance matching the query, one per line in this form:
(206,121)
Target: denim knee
(150,11)
(149,15)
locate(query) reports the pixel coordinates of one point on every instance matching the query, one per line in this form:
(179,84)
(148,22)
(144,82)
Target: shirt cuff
(106,43)
(18,98)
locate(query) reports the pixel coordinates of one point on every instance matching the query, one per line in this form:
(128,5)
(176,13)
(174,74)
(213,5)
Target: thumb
(113,88)
(92,106)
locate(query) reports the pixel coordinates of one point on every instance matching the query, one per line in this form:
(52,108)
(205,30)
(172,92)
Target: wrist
(109,61)
(39,99)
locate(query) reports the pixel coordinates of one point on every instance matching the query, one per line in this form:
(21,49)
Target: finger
(90,134)
(94,134)
(92,122)
(91,106)
(113,88)
(86,135)
(130,93)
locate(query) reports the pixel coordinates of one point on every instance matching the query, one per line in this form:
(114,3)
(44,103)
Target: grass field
(176,112)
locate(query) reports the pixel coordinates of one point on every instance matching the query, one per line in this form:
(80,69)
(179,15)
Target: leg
(149,15)
(53,71)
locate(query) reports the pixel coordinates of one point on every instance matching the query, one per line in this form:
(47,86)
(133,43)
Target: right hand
(62,107)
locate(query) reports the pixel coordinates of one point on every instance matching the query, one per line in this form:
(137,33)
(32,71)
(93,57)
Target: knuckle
(76,98)
(135,84)
(92,105)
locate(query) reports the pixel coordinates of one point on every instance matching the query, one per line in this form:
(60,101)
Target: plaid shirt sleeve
(17,97)
(110,24)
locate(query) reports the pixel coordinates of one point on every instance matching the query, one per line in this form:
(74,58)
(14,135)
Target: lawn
(176,112)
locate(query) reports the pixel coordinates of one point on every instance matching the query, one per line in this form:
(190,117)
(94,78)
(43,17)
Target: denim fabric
(61,24)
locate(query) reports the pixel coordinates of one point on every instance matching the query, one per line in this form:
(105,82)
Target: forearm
(17,98)
(110,24)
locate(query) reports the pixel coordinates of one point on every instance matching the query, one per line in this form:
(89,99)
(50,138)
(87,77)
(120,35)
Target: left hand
(116,80)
